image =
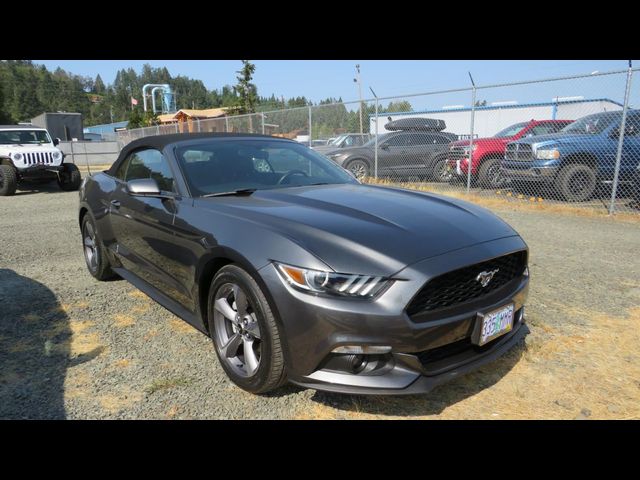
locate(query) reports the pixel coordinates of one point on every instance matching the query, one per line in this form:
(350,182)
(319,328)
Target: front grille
(519,152)
(457,153)
(460,286)
(35,158)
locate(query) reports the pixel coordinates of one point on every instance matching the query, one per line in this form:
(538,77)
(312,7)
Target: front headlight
(56,155)
(17,156)
(343,284)
(547,154)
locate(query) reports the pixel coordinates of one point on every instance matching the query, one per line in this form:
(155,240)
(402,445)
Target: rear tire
(489,175)
(8,181)
(576,182)
(240,318)
(94,252)
(441,172)
(69,179)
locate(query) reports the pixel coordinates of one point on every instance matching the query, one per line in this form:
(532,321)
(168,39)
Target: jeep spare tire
(8,181)
(69,178)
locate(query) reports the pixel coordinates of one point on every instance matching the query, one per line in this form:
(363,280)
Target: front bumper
(529,171)
(314,326)
(39,170)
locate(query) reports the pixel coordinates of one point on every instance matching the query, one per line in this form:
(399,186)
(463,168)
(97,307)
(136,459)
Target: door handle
(115,203)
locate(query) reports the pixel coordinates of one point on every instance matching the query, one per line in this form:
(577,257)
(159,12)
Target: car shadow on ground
(432,403)
(30,188)
(35,345)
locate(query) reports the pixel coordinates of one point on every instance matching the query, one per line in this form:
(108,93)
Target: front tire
(8,181)
(489,175)
(69,178)
(244,331)
(359,168)
(576,182)
(94,252)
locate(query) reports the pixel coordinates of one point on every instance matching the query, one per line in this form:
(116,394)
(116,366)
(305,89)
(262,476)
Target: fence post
(262,115)
(375,158)
(623,122)
(310,143)
(73,158)
(226,124)
(198,125)
(473,115)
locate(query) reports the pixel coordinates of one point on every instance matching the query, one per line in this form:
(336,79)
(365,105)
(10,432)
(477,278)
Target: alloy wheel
(90,247)
(237,330)
(579,183)
(359,169)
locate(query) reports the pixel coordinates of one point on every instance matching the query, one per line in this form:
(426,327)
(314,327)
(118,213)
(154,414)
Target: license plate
(458,170)
(495,323)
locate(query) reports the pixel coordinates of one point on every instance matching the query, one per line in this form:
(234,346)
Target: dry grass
(508,201)
(116,403)
(167,383)
(122,321)
(181,326)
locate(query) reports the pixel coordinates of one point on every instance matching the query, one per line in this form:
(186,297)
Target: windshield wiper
(241,191)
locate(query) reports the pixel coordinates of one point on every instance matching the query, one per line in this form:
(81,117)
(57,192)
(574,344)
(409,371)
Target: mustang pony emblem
(485,277)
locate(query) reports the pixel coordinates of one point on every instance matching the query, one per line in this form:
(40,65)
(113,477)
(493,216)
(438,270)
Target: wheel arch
(207,269)
(585,158)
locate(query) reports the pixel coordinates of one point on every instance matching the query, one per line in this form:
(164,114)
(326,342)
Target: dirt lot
(71,347)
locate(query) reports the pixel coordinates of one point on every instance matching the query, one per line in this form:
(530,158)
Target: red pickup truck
(488,152)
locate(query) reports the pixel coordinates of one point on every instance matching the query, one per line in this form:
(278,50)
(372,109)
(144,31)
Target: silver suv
(28,153)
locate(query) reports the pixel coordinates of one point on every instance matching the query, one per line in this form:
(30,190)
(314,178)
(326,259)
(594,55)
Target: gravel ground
(72,347)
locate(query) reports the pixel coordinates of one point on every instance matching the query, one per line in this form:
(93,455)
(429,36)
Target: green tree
(98,85)
(246,91)
(136,119)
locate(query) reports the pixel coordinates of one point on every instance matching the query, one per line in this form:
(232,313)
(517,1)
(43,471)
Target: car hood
(484,142)
(555,137)
(366,229)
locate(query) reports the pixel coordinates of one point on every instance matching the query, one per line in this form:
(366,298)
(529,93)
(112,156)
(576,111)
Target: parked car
(28,154)
(579,157)
(420,153)
(345,140)
(298,272)
(488,152)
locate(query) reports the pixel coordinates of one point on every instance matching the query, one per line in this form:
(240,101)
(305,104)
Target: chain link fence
(566,140)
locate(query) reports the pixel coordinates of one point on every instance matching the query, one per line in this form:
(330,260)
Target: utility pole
(111,111)
(357,80)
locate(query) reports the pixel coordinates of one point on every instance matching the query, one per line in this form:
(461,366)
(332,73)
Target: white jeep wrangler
(27,154)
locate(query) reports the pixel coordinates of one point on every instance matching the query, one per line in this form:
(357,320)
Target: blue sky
(319,79)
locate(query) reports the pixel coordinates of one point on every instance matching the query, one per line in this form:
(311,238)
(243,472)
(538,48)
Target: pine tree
(246,90)
(98,85)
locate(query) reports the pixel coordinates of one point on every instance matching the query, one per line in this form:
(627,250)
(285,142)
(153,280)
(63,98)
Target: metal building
(490,119)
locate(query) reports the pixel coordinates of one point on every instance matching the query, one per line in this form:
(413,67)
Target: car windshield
(219,166)
(338,140)
(511,131)
(591,124)
(22,137)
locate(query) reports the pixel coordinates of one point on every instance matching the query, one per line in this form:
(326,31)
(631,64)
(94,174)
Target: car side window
(398,141)
(122,169)
(632,126)
(150,163)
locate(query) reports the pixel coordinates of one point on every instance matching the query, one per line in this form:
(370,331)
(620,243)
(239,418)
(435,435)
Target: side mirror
(384,146)
(146,187)
(56,142)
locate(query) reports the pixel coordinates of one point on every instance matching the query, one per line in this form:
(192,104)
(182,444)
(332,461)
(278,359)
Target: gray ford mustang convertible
(300,273)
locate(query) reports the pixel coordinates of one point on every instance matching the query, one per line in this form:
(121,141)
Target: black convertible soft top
(160,141)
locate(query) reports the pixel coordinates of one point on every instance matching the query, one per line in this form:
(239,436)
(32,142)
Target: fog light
(362,349)
(358,363)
